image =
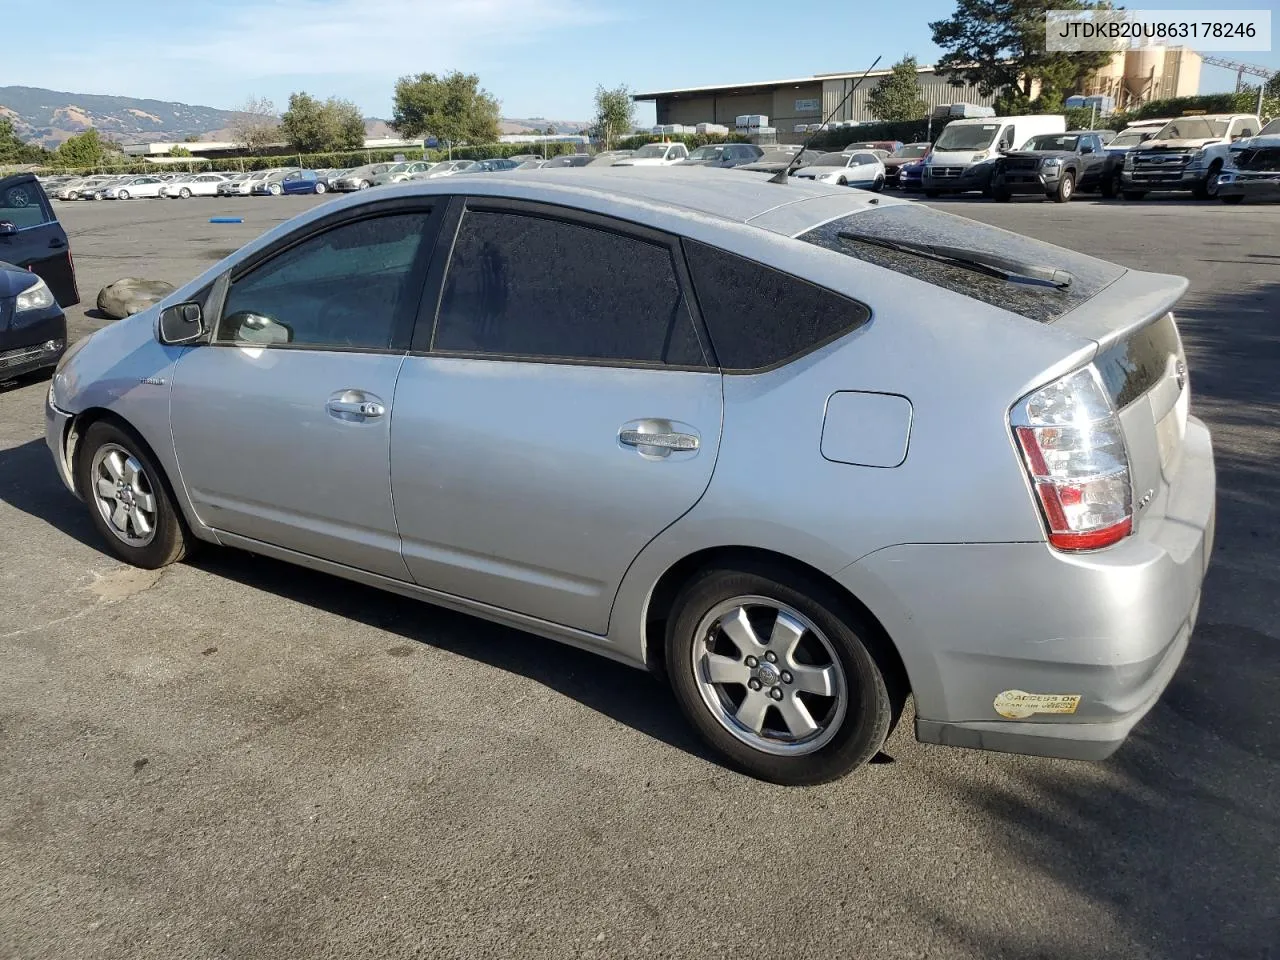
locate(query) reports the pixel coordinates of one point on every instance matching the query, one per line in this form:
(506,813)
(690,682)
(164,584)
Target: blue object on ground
(226,219)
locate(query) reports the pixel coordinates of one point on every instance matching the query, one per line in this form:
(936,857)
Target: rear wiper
(1002,268)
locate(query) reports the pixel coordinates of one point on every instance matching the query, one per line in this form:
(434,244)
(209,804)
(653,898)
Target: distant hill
(48,117)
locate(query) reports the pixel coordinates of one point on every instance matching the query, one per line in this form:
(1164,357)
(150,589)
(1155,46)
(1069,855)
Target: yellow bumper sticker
(1018,704)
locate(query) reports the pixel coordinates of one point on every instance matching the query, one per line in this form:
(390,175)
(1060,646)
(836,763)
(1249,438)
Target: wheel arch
(662,597)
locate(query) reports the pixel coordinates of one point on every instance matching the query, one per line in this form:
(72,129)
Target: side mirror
(1086,149)
(181,323)
(8,229)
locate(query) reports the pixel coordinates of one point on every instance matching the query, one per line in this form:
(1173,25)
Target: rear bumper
(975,621)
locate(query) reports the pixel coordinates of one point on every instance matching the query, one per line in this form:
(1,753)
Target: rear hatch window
(915,224)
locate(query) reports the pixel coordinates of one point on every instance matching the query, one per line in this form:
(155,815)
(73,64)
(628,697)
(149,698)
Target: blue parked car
(289,181)
(911,176)
(33,328)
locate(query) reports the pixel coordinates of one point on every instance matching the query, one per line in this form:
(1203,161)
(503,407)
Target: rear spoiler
(1134,300)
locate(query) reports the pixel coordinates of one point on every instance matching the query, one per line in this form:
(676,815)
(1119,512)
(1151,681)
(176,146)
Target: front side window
(528,286)
(347,287)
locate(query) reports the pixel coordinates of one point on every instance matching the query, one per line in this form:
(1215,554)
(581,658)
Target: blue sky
(539,57)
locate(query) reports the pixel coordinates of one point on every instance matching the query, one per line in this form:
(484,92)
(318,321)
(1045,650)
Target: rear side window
(527,286)
(759,317)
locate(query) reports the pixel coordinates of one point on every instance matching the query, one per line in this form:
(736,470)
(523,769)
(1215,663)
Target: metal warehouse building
(788,103)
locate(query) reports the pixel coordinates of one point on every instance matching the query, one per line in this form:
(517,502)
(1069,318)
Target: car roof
(656,193)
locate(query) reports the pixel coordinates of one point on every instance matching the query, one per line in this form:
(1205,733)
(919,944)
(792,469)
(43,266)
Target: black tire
(875,693)
(878,185)
(933,194)
(1066,188)
(842,182)
(1233,200)
(1207,189)
(1110,186)
(1134,194)
(171,539)
(1001,194)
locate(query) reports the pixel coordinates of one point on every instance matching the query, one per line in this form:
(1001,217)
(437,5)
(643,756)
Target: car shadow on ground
(28,482)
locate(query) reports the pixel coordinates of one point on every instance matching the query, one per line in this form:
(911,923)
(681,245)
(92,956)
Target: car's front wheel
(779,675)
(1066,188)
(1233,198)
(364,185)
(129,498)
(1110,185)
(184,193)
(276,189)
(123,195)
(321,188)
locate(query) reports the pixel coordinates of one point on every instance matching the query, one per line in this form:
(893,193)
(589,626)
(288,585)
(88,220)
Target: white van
(965,152)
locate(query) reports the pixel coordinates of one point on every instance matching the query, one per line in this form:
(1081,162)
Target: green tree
(1273,85)
(897,96)
(83,150)
(314,126)
(13,149)
(179,152)
(453,108)
(615,113)
(999,46)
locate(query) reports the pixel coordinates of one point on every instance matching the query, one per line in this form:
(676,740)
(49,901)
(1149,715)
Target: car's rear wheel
(1001,194)
(778,675)
(129,498)
(184,193)
(72,195)
(275,189)
(123,195)
(933,194)
(878,185)
(1234,199)
(364,185)
(1134,194)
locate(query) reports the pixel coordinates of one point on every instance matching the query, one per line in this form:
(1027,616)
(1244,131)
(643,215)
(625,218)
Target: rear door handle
(57,243)
(355,405)
(659,438)
(664,441)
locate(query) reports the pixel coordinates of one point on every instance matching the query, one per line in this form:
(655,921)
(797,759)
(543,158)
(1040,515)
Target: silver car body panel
(947,550)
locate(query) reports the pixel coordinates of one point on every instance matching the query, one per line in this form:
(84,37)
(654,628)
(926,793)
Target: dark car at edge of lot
(905,154)
(1056,165)
(32,238)
(33,328)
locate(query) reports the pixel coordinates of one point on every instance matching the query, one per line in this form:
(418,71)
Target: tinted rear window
(759,317)
(911,223)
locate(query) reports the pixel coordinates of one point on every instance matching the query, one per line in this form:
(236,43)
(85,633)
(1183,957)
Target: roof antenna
(782,175)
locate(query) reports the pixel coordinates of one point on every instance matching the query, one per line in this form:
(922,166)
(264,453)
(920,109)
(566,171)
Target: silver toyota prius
(802,450)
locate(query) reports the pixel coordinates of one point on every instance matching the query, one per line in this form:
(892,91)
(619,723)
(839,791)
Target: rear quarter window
(910,223)
(759,317)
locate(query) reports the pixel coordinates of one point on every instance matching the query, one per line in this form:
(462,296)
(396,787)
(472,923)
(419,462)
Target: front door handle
(57,243)
(355,405)
(659,438)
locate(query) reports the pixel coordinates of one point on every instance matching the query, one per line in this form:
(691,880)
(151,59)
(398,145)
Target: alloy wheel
(769,676)
(124,495)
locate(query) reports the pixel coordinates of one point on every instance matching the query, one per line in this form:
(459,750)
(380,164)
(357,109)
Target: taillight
(1073,447)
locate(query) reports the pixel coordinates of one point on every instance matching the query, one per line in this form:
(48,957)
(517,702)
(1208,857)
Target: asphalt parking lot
(238,758)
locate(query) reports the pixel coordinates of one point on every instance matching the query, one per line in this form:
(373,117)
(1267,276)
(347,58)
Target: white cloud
(306,37)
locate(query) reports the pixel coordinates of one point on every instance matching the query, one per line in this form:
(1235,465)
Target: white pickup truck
(1186,154)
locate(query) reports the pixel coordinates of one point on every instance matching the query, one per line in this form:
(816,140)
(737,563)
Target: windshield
(1192,128)
(652,150)
(967,136)
(832,160)
(398,168)
(913,150)
(1052,141)
(1271,128)
(706,153)
(1130,138)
